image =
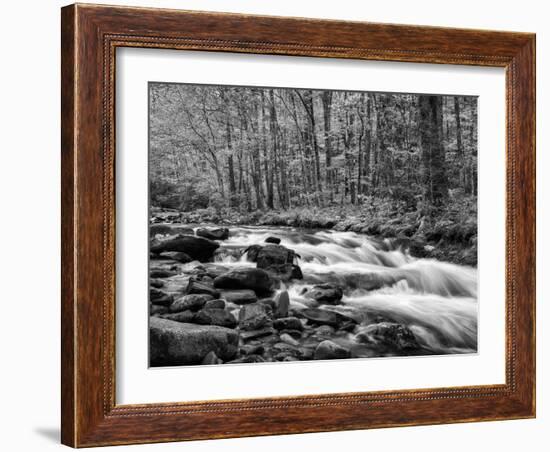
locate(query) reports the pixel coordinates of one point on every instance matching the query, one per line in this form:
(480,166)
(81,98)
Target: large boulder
(330,350)
(275,240)
(174,343)
(254,279)
(254,316)
(213,234)
(325,293)
(271,254)
(285,272)
(197,248)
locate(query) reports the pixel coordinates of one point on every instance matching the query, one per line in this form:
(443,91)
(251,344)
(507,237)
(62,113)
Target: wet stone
(253,316)
(286,338)
(218,317)
(191,301)
(253,334)
(183,317)
(239,296)
(161,273)
(282,303)
(330,350)
(215,304)
(325,293)
(288,323)
(211,358)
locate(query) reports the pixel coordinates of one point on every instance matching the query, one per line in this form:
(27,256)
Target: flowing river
(436,300)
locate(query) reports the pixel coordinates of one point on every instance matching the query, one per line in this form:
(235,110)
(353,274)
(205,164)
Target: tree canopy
(252,148)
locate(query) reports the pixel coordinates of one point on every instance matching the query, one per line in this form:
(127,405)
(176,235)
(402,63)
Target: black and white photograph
(294,224)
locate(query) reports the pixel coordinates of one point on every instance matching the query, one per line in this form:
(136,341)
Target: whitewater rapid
(436,300)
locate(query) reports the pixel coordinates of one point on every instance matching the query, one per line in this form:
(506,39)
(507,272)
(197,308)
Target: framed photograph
(281,225)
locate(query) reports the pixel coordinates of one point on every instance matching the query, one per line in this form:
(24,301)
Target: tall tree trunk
(433,152)
(326,99)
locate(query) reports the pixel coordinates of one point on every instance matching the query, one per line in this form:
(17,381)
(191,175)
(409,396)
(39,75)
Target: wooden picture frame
(90,35)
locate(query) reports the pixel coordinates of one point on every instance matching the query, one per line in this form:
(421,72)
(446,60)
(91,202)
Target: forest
(391,164)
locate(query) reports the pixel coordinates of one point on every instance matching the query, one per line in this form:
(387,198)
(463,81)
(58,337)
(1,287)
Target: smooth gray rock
(173,343)
(254,279)
(330,350)
(177,256)
(211,358)
(239,296)
(282,303)
(214,233)
(197,248)
(201,287)
(321,317)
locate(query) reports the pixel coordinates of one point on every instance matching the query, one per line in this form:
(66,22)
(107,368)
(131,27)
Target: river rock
(182,230)
(271,254)
(184,316)
(214,304)
(254,279)
(257,349)
(218,317)
(325,293)
(395,335)
(239,296)
(173,343)
(288,339)
(275,240)
(193,302)
(199,287)
(176,256)
(156,283)
(159,229)
(254,334)
(325,330)
(321,317)
(285,272)
(214,270)
(213,234)
(288,323)
(157,296)
(211,358)
(158,310)
(282,303)
(254,316)
(198,248)
(161,273)
(330,350)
